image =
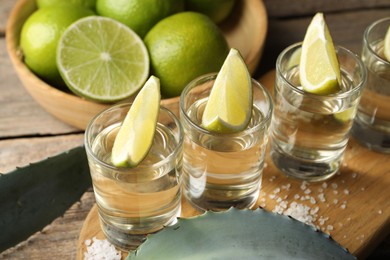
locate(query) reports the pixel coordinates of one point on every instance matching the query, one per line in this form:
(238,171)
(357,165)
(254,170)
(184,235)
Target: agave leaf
(240,234)
(33,196)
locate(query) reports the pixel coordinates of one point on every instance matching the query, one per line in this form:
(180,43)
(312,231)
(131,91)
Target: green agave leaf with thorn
(33,196)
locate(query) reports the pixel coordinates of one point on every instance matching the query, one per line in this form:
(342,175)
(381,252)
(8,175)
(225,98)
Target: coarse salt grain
(322,220)
(101,250)
(301,213)
(329,227)
(304,185)
(305,213)
(272,178)
(276,191)
(321,197)
(343,206)
(315,210)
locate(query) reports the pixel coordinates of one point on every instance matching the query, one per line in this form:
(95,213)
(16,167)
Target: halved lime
(102,60)
(319,67)
(386,45)
(229,106)
(135,136)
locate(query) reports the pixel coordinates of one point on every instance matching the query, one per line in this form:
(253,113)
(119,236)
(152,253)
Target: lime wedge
(386,45)
(229,106)
(319,68)
(295,58)
(102,60)
(345,115)
(135,136)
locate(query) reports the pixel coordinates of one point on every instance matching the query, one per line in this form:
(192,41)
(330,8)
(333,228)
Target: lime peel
(135,136)
(229,106)
(319,67)
(345,115)
(386,46)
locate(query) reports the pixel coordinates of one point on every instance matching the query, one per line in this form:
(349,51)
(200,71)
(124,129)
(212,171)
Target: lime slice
(386,46)
(319,67)
(102,60)
(135,137)
(229,106)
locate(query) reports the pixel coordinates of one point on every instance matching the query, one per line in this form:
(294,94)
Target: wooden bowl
(245,30)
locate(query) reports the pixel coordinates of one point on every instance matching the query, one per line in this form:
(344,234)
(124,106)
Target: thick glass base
(218,199)
(127,236)
(308,170)
(371,138)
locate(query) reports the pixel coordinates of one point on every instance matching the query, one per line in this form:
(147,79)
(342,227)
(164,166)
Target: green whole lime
(217,10)
(139,15)
(182,47)
(90,4)
(40,35)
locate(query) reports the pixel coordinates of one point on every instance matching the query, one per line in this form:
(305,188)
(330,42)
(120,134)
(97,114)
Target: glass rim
(212,76)
(366,35)
(139,168)
(338,95)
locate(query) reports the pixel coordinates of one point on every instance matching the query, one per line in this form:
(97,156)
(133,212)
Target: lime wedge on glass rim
(386,45)
(319,68)
(102,60)
(229,107)
(135,136)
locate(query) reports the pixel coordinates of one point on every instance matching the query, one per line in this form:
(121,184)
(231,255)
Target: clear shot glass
(133,202)
(372,122)
(310,132)
(222,170)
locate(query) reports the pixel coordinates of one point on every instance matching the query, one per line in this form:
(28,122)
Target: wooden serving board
(353,207)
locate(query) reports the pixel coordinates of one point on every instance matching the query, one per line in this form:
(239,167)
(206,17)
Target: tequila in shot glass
(310,132)
(222,170)
(372,122)
(135,201)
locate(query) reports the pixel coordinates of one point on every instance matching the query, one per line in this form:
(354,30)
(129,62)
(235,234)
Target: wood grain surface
(28,133)
(353,207)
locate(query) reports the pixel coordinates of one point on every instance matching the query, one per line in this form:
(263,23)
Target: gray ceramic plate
(240,234)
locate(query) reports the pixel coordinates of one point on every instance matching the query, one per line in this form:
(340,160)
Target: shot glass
(135,201)
(310,132)
(222,170)
(372,122)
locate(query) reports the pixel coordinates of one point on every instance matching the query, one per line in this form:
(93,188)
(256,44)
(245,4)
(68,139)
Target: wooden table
(28,133)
